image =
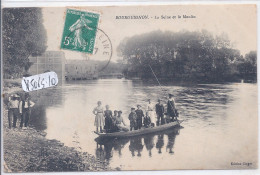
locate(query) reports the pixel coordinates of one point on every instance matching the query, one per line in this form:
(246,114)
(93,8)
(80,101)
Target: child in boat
(120,122)
(147,120)
(132,117)
(140,115)
(108,119)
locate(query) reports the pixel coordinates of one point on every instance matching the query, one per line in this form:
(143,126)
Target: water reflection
(106,147)
(136,146)
(171,141)
(149,143)
(160,143)
(43,100)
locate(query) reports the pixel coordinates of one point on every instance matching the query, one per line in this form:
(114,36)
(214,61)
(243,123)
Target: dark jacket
(171,108)
(139,114)
(108,120)
(23,104)
(159,109)
(132,117)
(147,121)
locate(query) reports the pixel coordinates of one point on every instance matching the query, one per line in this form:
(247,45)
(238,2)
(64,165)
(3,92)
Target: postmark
(79,31)
(103,49)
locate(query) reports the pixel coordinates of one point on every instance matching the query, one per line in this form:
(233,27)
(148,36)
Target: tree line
(186,56)
(23,35)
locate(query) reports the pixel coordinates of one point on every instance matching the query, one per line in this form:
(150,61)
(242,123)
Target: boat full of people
(155,119)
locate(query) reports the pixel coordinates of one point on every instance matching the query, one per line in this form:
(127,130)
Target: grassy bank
(29,151)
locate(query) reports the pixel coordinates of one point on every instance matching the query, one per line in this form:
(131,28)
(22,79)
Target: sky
(237,21)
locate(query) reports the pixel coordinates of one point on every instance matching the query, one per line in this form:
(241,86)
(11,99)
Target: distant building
(65,69)
(110,75)
(80,70)
(49,61)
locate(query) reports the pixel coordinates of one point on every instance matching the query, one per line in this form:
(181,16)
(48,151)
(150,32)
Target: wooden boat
(141,131)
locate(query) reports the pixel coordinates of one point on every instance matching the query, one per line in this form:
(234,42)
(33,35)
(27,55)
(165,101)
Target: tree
(247,67)
(185,56)
(23,35)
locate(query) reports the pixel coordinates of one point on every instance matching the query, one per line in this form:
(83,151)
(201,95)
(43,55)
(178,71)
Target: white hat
(15,95)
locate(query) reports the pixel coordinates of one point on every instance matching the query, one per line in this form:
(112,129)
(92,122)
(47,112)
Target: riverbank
(29,151)
(188,82)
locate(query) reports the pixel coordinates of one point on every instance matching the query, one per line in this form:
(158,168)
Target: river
(219,127)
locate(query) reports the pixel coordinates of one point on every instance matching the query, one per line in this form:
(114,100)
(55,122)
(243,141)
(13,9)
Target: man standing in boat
(171,108)
(140,115)
(159,109)
(132,117)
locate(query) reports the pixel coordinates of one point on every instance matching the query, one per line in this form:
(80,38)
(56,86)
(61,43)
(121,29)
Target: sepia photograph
(118,88)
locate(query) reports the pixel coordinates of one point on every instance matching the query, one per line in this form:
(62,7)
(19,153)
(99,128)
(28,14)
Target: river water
(219,127)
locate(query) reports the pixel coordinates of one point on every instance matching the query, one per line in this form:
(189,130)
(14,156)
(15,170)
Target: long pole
(156,77)
(162,90)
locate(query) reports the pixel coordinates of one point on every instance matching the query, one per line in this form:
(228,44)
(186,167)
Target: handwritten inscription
(40,81)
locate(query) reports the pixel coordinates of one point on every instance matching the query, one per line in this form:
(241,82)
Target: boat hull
(141,131)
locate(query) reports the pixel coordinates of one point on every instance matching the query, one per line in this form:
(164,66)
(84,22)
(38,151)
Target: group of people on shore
(108,121)
(19,106)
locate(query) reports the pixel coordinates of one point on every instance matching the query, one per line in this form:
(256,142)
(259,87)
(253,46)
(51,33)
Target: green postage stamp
(80,31)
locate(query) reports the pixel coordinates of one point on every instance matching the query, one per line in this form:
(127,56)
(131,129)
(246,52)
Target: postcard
(147,87)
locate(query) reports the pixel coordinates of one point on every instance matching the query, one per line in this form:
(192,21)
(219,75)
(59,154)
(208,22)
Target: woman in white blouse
(150,110)
(99,118)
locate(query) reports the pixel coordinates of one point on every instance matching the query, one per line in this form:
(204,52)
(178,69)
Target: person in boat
(133,117)
(108,119)
(115,115)
(147,120)
(159,108)
(114,127)
(171,108)
(167,118)
(140,114)
(120,122)
(150,110)
(99,118)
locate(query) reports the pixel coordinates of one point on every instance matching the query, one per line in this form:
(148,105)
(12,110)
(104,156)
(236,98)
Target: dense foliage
(23,35)
(186,56)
